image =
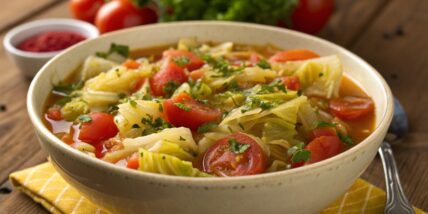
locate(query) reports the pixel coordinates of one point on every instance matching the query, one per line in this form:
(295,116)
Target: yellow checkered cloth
(45,186)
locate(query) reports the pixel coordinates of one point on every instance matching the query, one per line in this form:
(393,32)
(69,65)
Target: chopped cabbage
(118,79)
(167,165)
(180,136)
(277,165)
(321,76)
(95,65)
(131,114)
(165,147)
(71,110)
(100,98)
(255,75)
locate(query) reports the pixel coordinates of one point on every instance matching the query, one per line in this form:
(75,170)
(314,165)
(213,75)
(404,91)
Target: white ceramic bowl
(306,189)
(30,62)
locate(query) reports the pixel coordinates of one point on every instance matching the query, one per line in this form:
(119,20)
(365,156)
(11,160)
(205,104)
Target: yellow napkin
(44,185)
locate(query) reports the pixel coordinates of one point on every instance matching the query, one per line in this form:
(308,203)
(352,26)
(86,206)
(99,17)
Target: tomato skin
(324,147)
(169,72)
(310,16)
(119,14)
(54,113)
(194,61)
(293,55)
(220,160)
(351,108)
(131,64)
(85,10)
(196,115)
(291,82)
(254,59)
(324,131)
(196,74)
(133,161)
(100,128)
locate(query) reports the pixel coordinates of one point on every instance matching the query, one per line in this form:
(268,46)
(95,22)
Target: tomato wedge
(183,110)
(131,64)
(324,147)
(235,155)
(170,74)
(291,82)
(54,113)
(351,108)
(186,59)
(133,161)
(100,127)
(293,55)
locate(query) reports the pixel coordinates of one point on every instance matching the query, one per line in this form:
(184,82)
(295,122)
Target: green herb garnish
(153,125)
(206,127)
(298,153)
(237,147)
(122,50)
(347,140)
(263,64)
(85,118)
(325,124)
(170,87)
(182,138)
(182,61)
(133,103)
(66,89)
(182,106)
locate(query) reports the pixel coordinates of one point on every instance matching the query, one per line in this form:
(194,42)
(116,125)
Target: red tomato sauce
(50,41)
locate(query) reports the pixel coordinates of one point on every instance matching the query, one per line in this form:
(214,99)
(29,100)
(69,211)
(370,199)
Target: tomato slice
(324,147)
(351,108)
(101,127)
(170,73)
(292,82)
(183,110)
(54,113)
(293,55)
(221,160)
(191,61)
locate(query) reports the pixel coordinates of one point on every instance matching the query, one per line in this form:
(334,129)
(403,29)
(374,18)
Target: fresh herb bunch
(264,12)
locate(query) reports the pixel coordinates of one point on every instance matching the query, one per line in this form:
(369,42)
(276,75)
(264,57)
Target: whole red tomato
(85,10)
(119,14)
(310,16)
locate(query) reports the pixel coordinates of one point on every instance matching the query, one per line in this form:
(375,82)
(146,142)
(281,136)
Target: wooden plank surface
(396,44)
(391,35)
(13,11)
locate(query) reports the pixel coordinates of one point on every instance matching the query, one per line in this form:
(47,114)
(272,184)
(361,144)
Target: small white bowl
(30,62)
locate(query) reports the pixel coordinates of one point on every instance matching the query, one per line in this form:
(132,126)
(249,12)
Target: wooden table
(390,35)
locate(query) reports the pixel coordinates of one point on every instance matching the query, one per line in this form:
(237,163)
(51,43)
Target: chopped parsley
(276,85)
(320,74)
(325,124)
(233,86)
(301,155)
(257,103)
(136,126)
(66,89)
(237,147)
(206,127)
(182,106)
(85,118)
(122,50)
(221,66)
(133,103)
(347,140)
(182,138)
(182,61)
(170,87)
(298,153)
(63,100)
(153,125)
(263,64)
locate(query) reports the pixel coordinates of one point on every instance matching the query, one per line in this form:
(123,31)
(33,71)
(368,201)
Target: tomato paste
(50,41)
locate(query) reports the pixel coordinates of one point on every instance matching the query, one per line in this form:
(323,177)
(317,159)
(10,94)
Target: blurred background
(392,35)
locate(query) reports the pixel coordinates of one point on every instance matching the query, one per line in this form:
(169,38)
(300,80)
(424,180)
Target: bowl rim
(384,120)
(90,29)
